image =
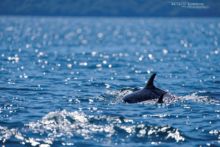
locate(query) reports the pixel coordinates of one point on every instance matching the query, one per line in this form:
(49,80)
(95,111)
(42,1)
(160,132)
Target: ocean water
(62,81)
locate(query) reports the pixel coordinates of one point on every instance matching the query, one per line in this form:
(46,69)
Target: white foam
(65,124)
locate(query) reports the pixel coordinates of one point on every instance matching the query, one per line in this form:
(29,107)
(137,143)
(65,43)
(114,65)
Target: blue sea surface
(62,81)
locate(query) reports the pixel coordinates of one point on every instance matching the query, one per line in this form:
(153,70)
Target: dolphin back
(149,92)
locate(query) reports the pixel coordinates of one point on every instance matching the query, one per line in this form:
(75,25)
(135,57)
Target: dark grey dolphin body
(149,92)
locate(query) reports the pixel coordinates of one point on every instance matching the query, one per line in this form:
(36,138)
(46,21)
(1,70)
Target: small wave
(63,124)
(200,97)
(18,89)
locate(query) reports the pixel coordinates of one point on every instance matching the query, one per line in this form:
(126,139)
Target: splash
(199,97)
(61,125)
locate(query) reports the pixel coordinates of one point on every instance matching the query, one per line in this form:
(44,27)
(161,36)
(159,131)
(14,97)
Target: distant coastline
(112,8)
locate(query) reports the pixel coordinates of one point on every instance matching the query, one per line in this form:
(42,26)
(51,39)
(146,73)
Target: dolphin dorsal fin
(150,83)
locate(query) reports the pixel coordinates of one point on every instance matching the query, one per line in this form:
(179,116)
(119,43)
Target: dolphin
(149,92)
